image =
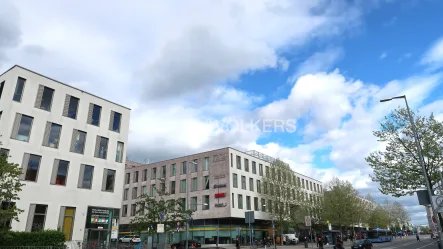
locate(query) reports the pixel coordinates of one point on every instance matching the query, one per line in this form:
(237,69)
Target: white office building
(71,147)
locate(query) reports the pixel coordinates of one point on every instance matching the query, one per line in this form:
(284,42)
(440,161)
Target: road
(409,242)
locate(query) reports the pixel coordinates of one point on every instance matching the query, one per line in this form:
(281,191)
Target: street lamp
(273,231)
(420,156)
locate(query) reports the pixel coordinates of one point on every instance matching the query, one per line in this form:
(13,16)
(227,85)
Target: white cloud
(434,56)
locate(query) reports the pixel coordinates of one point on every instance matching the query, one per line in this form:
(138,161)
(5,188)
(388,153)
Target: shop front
(101,226)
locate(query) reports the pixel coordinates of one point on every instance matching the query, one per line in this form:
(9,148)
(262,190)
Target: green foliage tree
(397,168)
(160,209)
(400,214)
(341,203)
(10,186)
(281,190)
(379,217)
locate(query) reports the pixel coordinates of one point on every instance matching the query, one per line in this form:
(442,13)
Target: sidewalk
(347,244)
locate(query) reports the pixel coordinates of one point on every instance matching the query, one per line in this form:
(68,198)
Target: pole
(273,232)
(422,164)
(218,221)
(250,244)
(188,206)
(441,180)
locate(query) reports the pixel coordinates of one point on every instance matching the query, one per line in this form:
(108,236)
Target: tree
(283,194)
(397,168)
(340,203)
(379,217)
(161,209)
(401,216)
(10,186)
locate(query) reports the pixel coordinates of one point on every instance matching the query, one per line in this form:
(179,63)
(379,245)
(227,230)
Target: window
(205,202)
(4,151)
(145,175)
(194,184)
(94,114)
(127,178)
(144,190)
(251,184)
(134,192)
(2,84)
(182,203)
(233,201)
(44,98)
(267,171)
(194,166)
(135,176)
(184,172)
(6,205)
(86,176)
(115,121)
(255,203)
(310,184)
(183,186)
(153,173)
(124,210)
(240,201)
(248,202)
(108,180)
(70,108)
(119,152)
(238,162)
(243,182)
(269,207)
(263,205)
(258,187)
(315,188)
(172,188)
(153,191)
(36,218)
(22,127)
(133,209)
(162,187)
(126,194)
(59,172)
(30,167)
(19,90)
(254,168)
(67,215)
(206,164)
(232,160)
(78,141)
(142,209)
(163,171)
(194,203)
(51,137)
(265,188)
(246,165)
(235,180)
(206,182)
(101,147)
(303,183)
(173,169)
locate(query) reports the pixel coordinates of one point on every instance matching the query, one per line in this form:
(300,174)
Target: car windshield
(359,242)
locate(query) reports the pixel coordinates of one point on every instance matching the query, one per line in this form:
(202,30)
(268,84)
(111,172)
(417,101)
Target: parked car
(190,243)
(362,244)
(291,239)
(130,239)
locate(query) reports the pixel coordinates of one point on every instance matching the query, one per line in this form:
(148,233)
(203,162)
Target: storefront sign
(220,205)
(220,185)
(114,229)
(219,195)
(100,216)
(160,228)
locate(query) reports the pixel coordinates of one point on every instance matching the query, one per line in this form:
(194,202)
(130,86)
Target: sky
(294,79)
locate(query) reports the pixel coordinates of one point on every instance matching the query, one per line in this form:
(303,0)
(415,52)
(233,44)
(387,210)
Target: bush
(43,238)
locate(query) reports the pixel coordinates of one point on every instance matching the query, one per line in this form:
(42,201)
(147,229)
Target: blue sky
(186,68)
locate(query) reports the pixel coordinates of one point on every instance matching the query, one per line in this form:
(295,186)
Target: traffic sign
(308,221)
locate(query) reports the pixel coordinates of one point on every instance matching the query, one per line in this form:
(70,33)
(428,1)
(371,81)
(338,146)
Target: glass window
(163,171)
(235,180)
(62,172)
(238,162)
(260,169)
(251,184)
(194,184)
(233,201)
(172,188)
(246,165)
(68,222)
(110,180)
(127,178)
(240,201)
(96,112)
(54,135)
(263,205)
(135,176)
(255,203)
(153,173)
(38,221)
(116,121)
(32,168)
(248,202)
(206,164)
(87,177)
(19,90)
(133,209)
(126,194)
(194,203)
(73,107)
(153,190)
(144,190)
(173,169)
(254,168)
(102,147)
(119,152)
(124,210)
(24,128)
(232,160)
(183,186)
(78,144)
(145,175)
(205,202)
(206,182)
(2,84)
(258,186)
(267,171)
(134,192)
(46,100)
(194,166)
(183,172)
(162,187)
(243,182)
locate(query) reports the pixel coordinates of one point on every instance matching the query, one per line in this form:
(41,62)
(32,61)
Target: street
(409,242)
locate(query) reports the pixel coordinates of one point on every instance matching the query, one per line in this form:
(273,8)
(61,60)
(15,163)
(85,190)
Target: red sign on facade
(219,195)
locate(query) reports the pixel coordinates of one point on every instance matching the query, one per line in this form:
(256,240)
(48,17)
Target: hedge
(44,238)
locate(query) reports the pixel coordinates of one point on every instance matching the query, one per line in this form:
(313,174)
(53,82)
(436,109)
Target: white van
(290,239)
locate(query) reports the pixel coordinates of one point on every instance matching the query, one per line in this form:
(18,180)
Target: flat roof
(49,78)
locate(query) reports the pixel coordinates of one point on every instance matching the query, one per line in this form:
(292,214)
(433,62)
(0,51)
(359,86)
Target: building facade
(71,146)
(221,184)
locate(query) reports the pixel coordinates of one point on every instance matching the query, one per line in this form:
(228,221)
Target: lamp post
(273,227)
(420,156)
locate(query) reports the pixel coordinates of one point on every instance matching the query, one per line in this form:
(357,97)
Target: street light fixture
(420,156)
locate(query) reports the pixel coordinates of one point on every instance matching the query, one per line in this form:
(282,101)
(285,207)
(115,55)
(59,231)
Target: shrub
(43,238)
